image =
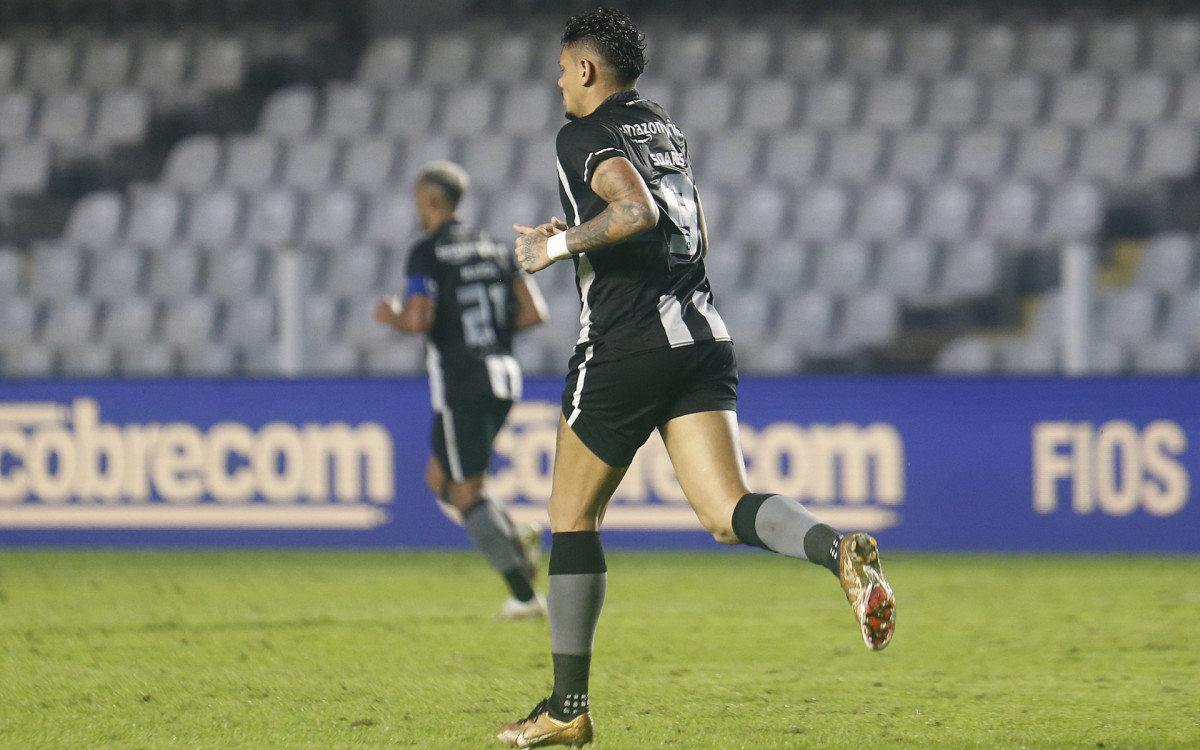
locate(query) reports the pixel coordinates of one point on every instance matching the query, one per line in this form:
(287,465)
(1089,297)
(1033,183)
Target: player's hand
(386,309)
(531,246)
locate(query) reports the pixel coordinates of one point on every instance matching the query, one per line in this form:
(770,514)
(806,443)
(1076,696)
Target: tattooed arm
(631,211)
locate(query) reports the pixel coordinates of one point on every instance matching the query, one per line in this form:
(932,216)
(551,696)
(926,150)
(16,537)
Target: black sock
(570,696)
(823,545)
(578,579)
(518,584)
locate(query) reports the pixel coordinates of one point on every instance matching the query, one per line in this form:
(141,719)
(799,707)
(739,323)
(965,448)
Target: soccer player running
(652,354)
(466,294)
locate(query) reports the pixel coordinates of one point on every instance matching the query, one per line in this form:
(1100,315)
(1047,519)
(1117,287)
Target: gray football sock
(488,529)
(782,524)
(575,602)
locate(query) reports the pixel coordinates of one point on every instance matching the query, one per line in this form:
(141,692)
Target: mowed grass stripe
(324,649)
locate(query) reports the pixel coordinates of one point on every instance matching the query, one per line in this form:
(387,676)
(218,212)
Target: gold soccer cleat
(540,729)
(867,590)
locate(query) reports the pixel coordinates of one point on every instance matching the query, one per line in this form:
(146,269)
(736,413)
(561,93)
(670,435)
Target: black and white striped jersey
(469,349)
(652,292)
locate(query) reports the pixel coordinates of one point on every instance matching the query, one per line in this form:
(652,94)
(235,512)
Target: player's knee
(720,528)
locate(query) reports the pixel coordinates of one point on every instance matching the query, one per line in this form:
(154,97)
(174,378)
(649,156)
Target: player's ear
(588,72)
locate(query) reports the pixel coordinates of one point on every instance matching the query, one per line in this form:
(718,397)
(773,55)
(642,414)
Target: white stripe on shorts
(451,440)
(575,398)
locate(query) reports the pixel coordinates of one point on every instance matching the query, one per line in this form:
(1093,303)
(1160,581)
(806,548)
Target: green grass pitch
(289,649)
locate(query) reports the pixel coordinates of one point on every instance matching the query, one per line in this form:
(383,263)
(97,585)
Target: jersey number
(679,195)
(483,306)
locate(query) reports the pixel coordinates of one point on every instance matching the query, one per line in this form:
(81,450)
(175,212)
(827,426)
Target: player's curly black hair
(610,33)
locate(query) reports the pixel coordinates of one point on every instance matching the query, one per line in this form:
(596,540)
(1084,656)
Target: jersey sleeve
(583,146)
(422,270)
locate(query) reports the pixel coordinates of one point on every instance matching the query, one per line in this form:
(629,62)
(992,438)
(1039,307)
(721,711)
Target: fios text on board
(1115,468)
(56,454)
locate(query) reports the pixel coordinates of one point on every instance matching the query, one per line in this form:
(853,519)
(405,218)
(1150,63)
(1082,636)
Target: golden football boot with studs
(868,591)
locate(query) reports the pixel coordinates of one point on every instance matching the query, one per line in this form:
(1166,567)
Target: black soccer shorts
(614,403)
(462,435)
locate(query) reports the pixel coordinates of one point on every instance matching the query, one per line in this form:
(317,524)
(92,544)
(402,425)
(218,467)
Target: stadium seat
(115,273)
(153,360)
(24,168)
(771,358)
(122,119)
(332,358)
(793,156)
(1175,44)
(527,108)
(468,110)
(917,156)
(506,57)
(161,65)
(831,103)
(273,219)
(349,110)
(155,215)
(493,160)
(769,104)
(388,61)
(980,154)
(1080,99)
(1114,46)
(332,219)
(309,163)
(1141,97)
(823,212)
(1017,100)
(844,267)
(214,218)
(106,64)
(749,317)
(1051,48)
(954,102)
(419,151)
(320,314)
(17,109)
(1010,210)
(188,322)
(11,262)
(30,360)
(761,213)
(707,106)
(930,50)
(50,65)
(966,355)
(730,158)
(971,271)
(65,120)
(87,360)
(69,321)
(884,212)
(448,58)
(1183,317)
(10,63)
(1043,153)
(1128,315)
(128,322)
(173,272)
(214,359)
(686,54)
(806,320)
(289,112)
(96,220)
(55,271)
(948,212)
(870,319)
(906,270)
(391,220)
(251,162)
(1106,356)
(779,269)
(745,54)
(1163,356)
(520,205)
(249,321)
(1169,152)
(1167,263)
(193,163)
(233,273)
(397,356)
(18,320)
(1075,212)
(892,102)
(1106,153)
(354,272)
(870,51)
(1024,356)
(990,50)
(360,327)
(855,155)
(1187,105)
(368,163)
(808,53)
(220,65)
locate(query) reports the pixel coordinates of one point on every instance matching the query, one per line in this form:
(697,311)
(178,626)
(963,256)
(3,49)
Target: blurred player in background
(467,296)
(653,354)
